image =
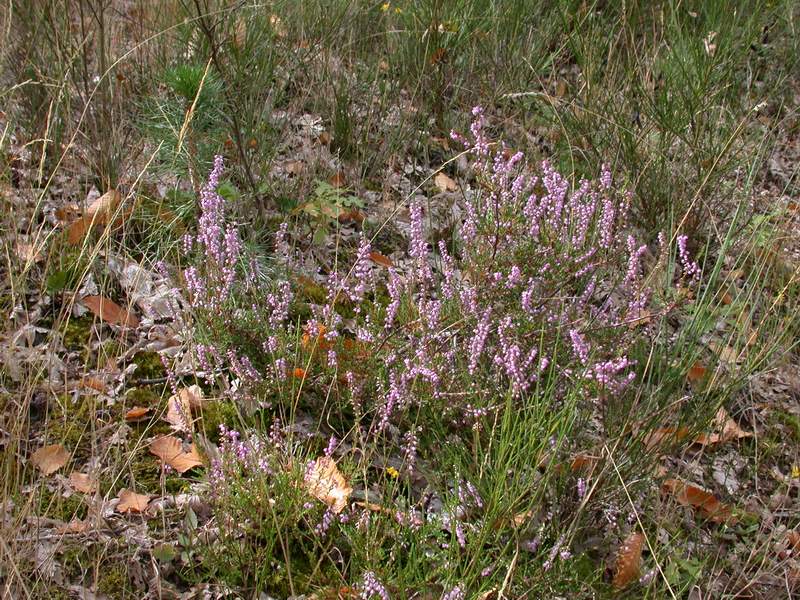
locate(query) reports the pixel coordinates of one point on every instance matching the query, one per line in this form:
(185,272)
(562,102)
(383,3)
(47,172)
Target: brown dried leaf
(82,482)
(137,413)
(703,502)
(180,406)
(109,311)
(445,183)
(664,435)
(726,429)
(50,459)
(697,372)
(325,482)
(29,252)
(380,259)
(130,501)
(104,206)
(629,561)
(170,450)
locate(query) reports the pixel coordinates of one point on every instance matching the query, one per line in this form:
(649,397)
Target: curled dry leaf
(131,502)
(109,311)
(445,183)
(99,212)
(325,482)
(170,450)
(82,482)
(50,458)
(180,407)
(628,564)
(700,500)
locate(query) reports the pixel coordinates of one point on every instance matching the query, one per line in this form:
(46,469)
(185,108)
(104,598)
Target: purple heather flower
(371,587)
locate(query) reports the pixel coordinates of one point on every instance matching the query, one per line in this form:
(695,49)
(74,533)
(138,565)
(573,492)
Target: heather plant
(528,319)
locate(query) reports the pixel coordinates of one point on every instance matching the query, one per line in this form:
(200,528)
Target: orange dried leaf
(445,183)
(50,459)
(700,500)
(93,383)
(82,482)
(326,483)
(136,413)
(351,216)
(380,259)
(298,373)
(104,206)
(629,561)
(170,450)
(697,372)
(131,502)
(584,461)
(109,311)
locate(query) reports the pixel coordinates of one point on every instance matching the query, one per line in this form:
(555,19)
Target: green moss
(54,506)
(114,581)
(77,333)
(149,365)
(215,413)
(69,423)
(141,396)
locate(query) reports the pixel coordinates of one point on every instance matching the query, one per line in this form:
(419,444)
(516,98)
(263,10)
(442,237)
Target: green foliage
(324,207)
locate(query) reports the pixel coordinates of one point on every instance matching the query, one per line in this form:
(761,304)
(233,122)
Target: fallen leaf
(351,216)
(28,252)
(445,183)
(337,180)
(374,507)
(629,561)
(325,482)
(180,407)
(294,167)
(93,383)
(130,501)
(109,311)
(137,413)
(311,341)
(104,206)
(697,372)
(438,56)
(726,429)
(584,461)
(99,212)
(664,435)
(793,539)
(380,259)
(82,482)
(50,459)
(726,354)
(703,502)
(74,526)
(298,373)
(170,450)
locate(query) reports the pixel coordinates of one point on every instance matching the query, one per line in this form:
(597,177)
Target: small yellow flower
(795,472)
(392,472)
(385,6)
(398,10)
